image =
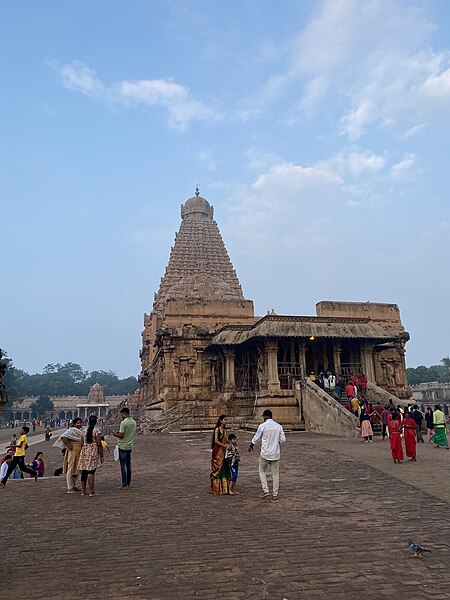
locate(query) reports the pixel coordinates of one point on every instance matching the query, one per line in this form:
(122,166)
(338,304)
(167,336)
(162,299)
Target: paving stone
(339,529)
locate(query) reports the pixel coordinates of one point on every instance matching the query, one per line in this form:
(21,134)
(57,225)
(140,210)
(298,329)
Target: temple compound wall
(203,345)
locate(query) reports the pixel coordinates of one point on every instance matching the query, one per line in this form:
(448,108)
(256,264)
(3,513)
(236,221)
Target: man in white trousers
(271,434)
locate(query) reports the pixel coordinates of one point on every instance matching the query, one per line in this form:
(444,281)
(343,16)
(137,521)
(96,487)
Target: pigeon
(417,548)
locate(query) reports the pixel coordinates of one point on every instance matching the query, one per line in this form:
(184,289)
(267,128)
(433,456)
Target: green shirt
(128,428)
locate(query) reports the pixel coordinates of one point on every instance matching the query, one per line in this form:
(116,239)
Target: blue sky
(318,130)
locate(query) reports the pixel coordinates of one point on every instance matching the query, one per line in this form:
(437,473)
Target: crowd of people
(83,450)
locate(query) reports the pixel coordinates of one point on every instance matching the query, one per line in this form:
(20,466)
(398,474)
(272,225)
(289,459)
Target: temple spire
(197,191)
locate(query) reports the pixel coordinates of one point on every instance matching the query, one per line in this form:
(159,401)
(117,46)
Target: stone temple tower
(198,294)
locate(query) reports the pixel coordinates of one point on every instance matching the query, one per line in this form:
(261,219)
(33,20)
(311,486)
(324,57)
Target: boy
(19,458)
(5,465)
(232,456)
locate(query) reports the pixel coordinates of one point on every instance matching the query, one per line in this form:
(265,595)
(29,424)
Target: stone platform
(339,529)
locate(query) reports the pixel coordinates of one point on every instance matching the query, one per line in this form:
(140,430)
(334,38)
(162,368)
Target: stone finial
(197,191)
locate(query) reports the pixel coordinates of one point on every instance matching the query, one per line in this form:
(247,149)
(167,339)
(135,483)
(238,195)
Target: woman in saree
(394,437)
(220,471)
(409,427)
(440,428)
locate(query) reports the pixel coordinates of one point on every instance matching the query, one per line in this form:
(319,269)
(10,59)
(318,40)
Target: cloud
(165,93)
(401,169)
(373,59)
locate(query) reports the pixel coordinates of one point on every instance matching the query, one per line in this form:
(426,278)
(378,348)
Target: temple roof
(199,265)
(275,326)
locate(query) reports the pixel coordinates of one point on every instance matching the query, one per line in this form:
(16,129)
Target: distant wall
(388,315)
(324,414)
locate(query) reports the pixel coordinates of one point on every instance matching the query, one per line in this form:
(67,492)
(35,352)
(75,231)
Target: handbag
(116,453)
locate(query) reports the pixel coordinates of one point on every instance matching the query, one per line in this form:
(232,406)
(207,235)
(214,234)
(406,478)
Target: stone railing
(324,414)
(378,395)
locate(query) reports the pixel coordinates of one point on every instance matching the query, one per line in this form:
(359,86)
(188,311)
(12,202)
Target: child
(232,456)
(5,465)
(105,444)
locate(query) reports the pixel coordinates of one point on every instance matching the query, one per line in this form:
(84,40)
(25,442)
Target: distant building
(429,394)
(68,407)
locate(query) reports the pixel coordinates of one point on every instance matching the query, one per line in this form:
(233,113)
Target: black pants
(125,466)
(384,430)
(20,462)
(84,474)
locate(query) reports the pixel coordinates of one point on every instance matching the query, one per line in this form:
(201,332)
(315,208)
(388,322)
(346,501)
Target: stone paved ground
(339,529)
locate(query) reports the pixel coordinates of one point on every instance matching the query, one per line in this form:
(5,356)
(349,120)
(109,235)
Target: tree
(41,406)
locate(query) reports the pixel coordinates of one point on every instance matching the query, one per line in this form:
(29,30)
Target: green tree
(42,406)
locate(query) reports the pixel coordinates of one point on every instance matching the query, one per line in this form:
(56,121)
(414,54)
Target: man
(19,458)
(385,420)
(271,434)
(418,418)
(126,434)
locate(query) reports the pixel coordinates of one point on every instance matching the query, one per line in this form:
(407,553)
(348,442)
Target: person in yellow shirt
(19,458)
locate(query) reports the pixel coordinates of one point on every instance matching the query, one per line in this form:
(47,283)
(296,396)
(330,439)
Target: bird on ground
(417,548)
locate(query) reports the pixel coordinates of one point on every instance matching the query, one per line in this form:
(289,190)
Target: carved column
(337,358)
(272,365)
(302,357)
(229,370)
(367,361)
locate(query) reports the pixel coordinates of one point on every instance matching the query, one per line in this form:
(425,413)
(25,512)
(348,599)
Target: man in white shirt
(271,434)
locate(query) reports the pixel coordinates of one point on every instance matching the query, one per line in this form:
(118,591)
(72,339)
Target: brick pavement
(339,529)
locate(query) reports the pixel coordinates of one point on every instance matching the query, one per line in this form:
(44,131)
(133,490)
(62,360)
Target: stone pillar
(229,370)
(272,365)
(337,358)
(367,361)
(302,357)
(198,368)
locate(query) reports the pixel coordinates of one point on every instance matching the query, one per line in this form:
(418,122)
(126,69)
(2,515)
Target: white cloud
(401,169)
(374,59)
(165,93)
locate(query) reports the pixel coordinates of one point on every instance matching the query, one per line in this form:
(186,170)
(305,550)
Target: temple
(202,346)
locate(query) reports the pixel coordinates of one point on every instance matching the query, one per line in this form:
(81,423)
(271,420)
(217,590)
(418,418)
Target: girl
(91,455)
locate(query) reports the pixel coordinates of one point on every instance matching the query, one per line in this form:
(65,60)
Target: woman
(429,422)
(366,427)
(38,464)
(440,428)
(394,437)
(91,455)
(220,471)
(71,441)
(409,427)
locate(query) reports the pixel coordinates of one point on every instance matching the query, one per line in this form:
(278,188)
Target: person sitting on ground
(232,456)
(6,462)
(38,464)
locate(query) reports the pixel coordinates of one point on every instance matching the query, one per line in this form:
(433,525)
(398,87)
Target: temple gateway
(205,353)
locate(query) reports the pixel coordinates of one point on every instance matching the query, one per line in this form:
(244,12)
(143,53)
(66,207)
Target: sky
(319,130)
